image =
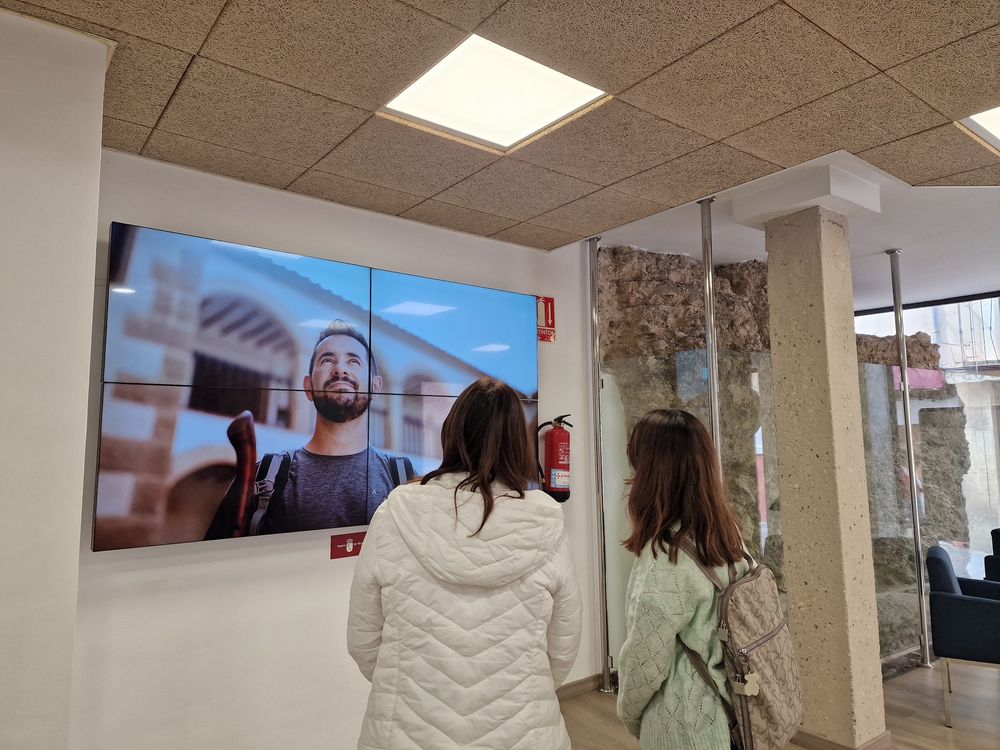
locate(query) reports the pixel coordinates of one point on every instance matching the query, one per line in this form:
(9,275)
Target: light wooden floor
(914,714)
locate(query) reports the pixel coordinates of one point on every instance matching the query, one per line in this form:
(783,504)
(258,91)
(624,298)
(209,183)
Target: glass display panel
(200,332)
(167,465)
(187,310)
(435,337)
(406,432)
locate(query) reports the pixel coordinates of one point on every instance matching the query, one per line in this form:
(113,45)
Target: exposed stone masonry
(652,318)
(883,350)
(652,324)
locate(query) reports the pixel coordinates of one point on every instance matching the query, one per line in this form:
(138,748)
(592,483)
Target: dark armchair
(965,620)
(992,562)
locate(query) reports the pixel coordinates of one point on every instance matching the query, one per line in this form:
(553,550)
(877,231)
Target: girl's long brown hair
(677,479)
(485,438)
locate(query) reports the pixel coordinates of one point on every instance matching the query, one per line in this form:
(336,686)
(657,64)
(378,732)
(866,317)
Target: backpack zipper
(728,593)
(745,651)
(723,608)
(744,654)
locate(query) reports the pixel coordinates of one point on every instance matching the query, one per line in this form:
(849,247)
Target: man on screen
(336,479)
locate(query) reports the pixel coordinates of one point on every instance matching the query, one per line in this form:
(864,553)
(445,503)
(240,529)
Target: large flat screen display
(249,391)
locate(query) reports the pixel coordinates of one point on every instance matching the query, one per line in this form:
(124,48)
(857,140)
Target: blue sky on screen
(492,330)
(344,279)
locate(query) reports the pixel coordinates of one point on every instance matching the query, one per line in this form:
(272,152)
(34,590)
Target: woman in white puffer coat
(465,612)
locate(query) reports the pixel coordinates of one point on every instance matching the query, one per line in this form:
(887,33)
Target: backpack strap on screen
(272,474)
(400,469)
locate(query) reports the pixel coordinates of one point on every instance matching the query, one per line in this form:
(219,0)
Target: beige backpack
(763,678)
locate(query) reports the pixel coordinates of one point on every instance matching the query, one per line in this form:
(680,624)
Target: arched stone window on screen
(240,343)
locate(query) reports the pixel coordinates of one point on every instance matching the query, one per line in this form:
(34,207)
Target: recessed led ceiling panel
(987,125)
(493,95)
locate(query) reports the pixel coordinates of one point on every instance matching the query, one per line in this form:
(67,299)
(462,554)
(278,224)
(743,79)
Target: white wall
(51,87)
(565,388)
(240,643)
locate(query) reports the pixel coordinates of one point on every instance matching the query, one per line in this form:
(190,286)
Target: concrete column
(824,497)
(51,91)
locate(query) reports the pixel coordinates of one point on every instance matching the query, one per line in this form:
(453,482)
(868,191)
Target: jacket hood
(519,535)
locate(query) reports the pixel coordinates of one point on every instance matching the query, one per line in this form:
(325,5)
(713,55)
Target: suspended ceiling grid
(707,95)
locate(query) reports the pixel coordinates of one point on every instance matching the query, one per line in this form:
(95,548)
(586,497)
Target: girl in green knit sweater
(676,497)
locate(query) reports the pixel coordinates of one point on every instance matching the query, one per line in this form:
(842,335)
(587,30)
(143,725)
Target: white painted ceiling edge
(950,236)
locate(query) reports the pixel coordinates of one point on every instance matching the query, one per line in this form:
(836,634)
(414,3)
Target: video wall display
(249,391)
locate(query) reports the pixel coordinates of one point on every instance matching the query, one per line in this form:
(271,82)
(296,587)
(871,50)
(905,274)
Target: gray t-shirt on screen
(330,492)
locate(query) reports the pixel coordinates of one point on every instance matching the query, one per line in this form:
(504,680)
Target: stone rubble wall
(652,327)
(653,304)
(921,354)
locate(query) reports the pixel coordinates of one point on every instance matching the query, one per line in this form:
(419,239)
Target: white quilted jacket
(464,638)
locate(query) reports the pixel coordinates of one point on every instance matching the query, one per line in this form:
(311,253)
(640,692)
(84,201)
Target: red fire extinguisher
(555,472)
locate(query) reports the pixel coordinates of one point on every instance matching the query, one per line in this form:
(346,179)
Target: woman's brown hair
(485,438)
(677,481)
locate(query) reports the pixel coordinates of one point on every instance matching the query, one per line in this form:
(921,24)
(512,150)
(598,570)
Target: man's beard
(340,406)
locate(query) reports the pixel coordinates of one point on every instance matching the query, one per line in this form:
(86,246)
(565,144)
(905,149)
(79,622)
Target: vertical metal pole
(711,340)
(918,556)
(595,388)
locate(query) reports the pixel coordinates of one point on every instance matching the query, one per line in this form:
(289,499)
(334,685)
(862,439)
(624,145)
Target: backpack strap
(709,571)
(272,474)
(696,661)
(702,669)
(400,469)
